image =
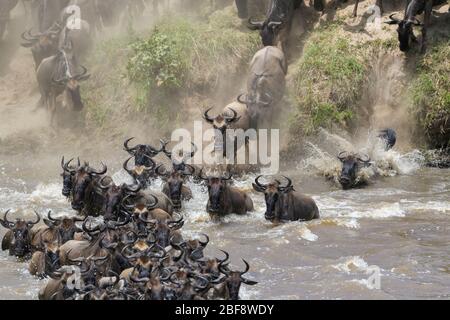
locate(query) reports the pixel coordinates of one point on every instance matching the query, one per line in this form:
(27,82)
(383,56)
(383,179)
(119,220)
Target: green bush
(431,95)
(327,81)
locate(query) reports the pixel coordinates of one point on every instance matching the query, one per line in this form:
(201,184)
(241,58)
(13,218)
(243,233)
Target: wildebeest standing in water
(266,84)
(174,186)
(224,199)
(283,203)
(5,8)
(18,239)
(405,27)
(59,74)
(351,166)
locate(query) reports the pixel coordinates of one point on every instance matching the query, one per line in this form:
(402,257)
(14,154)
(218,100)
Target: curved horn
(226,178)
(125,166)
(190,171)
(66,166)
(49,215)
(234,118)
(101,172)
(343,155)
(163,148)
(241,100)
(247,267)
(227,256)
(103,186)
(259,184)
(207,117)
(254,25)
(289,183)
(204,243)
(38,218)
(160,173)
(83,75)
(128,149)
(5,219)
(272,24)
(202,176)
(363,158)
(393,18)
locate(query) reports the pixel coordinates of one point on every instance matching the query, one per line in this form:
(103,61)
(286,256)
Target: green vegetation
(431,95)
(328,79)
(182,56)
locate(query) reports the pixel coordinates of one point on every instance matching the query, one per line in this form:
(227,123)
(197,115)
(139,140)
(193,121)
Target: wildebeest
(144,164)
(231,283)
(58,75)
(265,85)
(283,203)
(85,196)
(405,27)
(275,29)
(234,116)
(19,236)
(389,137)
(47,12)
(5,8)
(224,199)
(174,186)
(43,45)
(351,165)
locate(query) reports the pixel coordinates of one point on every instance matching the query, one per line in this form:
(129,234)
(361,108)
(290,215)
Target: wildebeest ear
(257,188)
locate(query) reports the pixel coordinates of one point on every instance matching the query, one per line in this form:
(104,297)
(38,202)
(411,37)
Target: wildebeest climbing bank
(224,150)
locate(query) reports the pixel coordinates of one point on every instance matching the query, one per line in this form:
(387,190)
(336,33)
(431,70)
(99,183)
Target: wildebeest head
(65,227)
(141,173)
(83,184)
(351,164)
(273,192)
(163,230)
(257,102)
(175,181)
(114,197)
(234,279)
(20,236)
(216,189)
(405,31)
(143,153)
(68,176)
(389,137)
(268,30)
(70,81)
(221,122)
(43,45)
(179,160)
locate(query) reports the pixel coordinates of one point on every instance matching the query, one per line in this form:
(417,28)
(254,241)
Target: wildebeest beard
(76,98)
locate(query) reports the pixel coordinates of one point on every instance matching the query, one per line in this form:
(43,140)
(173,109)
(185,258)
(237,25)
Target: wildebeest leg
(355,10)
(52,108)
(426,23)
(380,5)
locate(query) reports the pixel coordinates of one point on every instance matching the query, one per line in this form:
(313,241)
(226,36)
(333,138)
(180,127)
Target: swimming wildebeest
(18,239)
(144,165)
(265,86)
(389,137)
(58,75)
(405,27)
(224,199)
(174,186)
(351,165)
(283,203)
(6,6)
(275,29)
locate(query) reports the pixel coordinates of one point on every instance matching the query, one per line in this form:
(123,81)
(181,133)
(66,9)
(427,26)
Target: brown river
(399,226)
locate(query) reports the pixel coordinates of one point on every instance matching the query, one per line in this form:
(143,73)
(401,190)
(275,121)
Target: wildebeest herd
(136,250)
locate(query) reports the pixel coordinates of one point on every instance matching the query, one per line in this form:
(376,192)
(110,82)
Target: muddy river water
(398,228)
